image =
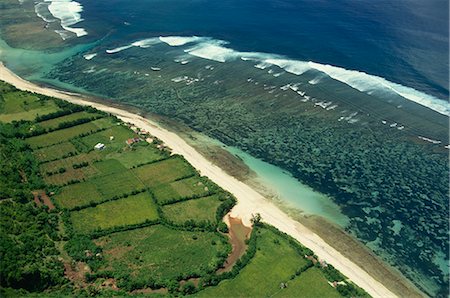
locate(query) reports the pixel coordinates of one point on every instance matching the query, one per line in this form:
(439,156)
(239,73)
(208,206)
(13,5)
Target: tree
(256,219)
(188,288)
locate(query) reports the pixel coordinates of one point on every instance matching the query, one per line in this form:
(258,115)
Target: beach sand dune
(249,200)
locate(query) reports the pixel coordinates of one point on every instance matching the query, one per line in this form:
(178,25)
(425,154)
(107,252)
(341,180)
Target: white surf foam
(292,66)
(40,9)
(213,50)
(144,43)
(116,50)
(369,83)
(68,12)
(89,56)
(177,41)
(216,50)
(429,140)
(315,81)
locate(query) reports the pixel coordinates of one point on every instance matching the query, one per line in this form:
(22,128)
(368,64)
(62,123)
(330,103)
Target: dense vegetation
(28,256)
(127,220)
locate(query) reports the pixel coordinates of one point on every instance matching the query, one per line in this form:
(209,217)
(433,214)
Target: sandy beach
(249,200)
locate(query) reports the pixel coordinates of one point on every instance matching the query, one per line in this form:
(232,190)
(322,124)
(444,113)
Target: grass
(55,151)
(203,209)
(272,264)
(53,123)
(68,162)
(59,136)
(160,253)
(97,189)
(117,183)
(310,284)
(164,171)
(109,166)
(138,154)
(24,106)
(77,195)
(131,210)
(193,186)
(69,175)
(119,133)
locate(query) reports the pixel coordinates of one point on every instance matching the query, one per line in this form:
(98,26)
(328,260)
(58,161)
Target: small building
(132,141)
(99,146)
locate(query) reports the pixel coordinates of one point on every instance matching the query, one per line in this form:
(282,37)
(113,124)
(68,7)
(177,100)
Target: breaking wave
(67,11)
(217,50)
(144,43)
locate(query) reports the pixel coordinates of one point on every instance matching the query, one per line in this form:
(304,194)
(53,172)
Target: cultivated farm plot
(164,171)
(64,134)
(203,209)
(55,152)
(68,162)
(24,106)
(70,175)
(119,133)
(78,194)
(137,155)
(127,211)
(116,184)
(109,166)
(159,253)
(110,179)
(273,264)
(310,284)
(53,123)
(184,188)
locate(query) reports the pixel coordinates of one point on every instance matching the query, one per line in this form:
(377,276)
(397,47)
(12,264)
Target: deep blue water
(404,41)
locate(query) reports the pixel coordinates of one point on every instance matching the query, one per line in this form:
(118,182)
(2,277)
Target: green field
(272,264)
(193,186)
(55,151)
(69,175)
(160,253)
(203,209)
(164,171)
(119,133)
(24,106)
(59,136)
(68,162)
(53,123)
(97,189)
(137,155)
(77,195)
(127,211)
(310,284)
(116,184)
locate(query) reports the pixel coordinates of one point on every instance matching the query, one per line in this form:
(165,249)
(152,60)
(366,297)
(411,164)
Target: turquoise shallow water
(34,65)
(289,190)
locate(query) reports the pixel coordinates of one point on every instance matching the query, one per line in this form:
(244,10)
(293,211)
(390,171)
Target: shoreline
(249,201)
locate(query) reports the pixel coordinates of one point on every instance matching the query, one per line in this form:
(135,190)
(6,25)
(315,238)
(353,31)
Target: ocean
(343,104)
